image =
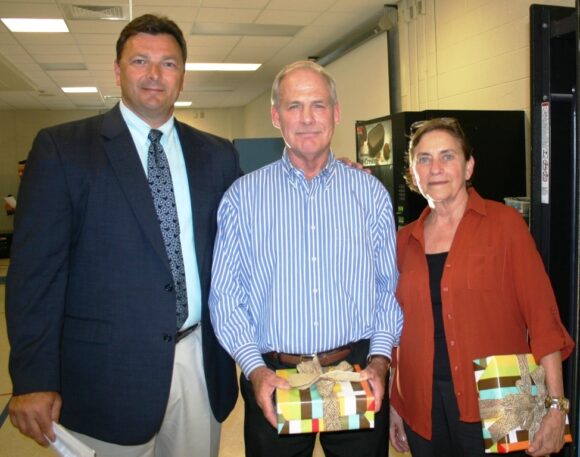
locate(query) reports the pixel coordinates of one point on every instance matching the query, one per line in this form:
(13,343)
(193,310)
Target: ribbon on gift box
(523,409)
(311,372)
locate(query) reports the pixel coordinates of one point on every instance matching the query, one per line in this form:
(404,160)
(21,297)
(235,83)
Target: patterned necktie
(164,200)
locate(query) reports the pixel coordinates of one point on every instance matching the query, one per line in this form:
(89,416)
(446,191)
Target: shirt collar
(294,174)
(140,129)
(474,203)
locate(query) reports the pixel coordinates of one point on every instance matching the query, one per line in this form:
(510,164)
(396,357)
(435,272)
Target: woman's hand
(549,439)
(397,432)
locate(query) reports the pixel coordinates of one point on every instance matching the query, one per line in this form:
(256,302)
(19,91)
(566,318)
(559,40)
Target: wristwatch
(559,403)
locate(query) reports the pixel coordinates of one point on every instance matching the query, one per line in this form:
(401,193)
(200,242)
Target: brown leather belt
(325,358)
(183,333)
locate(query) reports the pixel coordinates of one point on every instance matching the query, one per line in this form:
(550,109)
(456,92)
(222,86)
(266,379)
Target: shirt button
(458,394)
(452,343)
(314,259)
(448,265)
(446,289)
(313,227)
(167,338)
(314,291)
(456,368)
(316,324)
(450,316)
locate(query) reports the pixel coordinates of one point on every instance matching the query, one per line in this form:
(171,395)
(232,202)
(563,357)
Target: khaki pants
(189,428)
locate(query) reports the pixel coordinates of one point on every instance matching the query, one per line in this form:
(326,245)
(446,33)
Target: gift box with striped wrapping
(497,378)
(303,411)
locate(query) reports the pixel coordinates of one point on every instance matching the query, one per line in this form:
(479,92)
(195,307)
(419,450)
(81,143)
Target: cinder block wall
(466,54)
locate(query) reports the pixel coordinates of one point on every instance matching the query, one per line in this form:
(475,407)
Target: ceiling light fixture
(182,104)
(232,29)
(79,90)
(222,66)
(24,25)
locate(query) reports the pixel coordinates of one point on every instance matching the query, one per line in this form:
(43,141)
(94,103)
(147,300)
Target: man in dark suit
(92,288)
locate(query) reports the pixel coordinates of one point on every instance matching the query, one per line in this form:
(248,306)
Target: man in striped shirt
(304,264)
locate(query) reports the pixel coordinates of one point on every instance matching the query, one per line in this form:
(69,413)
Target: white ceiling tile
(279,17)
(360,6)
(175,13)
(201,54)
(10,50)
(30,10)
(92,42)
(58,58)
(96,50)
(42,49)
(168,2)
(243,54)
(97,39)
(6,37)
(80,27)
(239,3)
(264,42)
(300,5)
(72,78)
(227,15)
(240,97)
(52,39)
(211,41)
(97,61)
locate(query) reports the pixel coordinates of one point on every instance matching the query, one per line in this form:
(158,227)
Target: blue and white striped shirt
(304,266)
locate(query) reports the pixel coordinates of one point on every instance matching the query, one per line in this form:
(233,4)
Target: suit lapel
(193,151)
(120,150)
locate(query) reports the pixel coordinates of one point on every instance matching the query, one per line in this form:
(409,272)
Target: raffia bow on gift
(523,409)
(310,373)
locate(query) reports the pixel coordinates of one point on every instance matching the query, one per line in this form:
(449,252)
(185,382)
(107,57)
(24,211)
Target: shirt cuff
(249,358)
(382,344)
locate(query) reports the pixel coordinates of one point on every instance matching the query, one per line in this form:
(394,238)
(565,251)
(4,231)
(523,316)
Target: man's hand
(357,165)
(265,381)
(376,374)
(10,210)
(549,439)
(397,432)
(34,413)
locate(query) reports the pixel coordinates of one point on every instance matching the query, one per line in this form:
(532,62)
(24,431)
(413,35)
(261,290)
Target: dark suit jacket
(89,300)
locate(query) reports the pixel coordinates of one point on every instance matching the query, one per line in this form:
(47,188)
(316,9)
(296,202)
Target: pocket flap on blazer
(88,330)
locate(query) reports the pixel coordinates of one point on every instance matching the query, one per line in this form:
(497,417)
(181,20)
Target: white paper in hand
(10,200)
(66,445)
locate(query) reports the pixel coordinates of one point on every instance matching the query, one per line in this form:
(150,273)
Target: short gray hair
(300,64)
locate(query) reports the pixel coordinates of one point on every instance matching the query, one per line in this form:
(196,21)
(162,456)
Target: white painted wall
(363,93)
(466,54)
(362,81)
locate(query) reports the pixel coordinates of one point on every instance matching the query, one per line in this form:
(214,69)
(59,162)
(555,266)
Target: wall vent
(96,12)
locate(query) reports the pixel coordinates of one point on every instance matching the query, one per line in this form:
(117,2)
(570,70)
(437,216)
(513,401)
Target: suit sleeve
(37,276)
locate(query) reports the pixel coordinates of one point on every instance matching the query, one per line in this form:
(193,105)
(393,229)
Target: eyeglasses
(438,121)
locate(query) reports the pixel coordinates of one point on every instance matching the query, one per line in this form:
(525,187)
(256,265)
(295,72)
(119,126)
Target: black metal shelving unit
(555,193)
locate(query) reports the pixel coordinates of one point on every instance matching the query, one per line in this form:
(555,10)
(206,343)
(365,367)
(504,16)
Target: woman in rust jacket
(471,284)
